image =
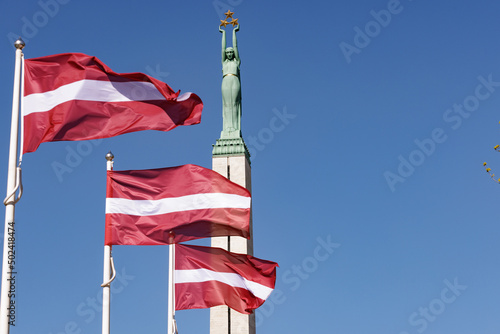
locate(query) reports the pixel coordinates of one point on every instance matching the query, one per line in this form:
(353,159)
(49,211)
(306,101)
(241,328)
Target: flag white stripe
(184,97)
(91,90)
(232,279)
(176,204)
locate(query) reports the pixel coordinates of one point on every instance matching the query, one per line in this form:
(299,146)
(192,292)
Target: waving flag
(206,277)
(73,96)
(171,205)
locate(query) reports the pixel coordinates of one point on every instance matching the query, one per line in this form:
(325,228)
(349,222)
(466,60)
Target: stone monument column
(230,158)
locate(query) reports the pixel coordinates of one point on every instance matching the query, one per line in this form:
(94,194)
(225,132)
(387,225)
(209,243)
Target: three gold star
(229,15)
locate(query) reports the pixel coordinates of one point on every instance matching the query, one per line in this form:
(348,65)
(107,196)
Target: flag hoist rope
(108,283)
(109,267)
(7,309)
(19,185)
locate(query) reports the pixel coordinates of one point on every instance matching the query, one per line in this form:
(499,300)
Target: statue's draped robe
(231,98)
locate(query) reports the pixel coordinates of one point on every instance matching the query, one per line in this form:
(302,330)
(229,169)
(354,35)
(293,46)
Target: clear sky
(368,121)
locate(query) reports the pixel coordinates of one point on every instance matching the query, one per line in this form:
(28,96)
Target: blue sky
(368,122)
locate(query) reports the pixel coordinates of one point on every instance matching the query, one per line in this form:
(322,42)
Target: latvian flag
(171,205)
(206,277)
(73,96)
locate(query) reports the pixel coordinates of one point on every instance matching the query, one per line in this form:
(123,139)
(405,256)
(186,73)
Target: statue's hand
(237,28)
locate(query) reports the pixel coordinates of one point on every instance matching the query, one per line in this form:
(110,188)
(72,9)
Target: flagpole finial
(109,156)
(19,44)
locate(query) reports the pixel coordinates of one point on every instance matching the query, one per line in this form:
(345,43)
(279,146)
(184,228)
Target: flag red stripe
(214,293)
(62,69)
(220,260)
(83,120)
(200,180)
(187,225)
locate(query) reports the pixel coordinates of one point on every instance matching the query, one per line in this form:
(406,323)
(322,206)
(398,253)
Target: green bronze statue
(231,87)
(230,141)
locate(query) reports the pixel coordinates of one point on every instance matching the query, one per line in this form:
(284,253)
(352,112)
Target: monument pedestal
(230,147)
(231,159)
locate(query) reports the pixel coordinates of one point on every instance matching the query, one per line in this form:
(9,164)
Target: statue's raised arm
(223,44)
(235,43)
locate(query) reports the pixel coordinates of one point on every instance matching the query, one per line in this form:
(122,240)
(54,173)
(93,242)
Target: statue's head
(230,53)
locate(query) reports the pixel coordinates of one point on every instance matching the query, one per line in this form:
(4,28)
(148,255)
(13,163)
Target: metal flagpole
(7,308)
(108,268)
(172,327)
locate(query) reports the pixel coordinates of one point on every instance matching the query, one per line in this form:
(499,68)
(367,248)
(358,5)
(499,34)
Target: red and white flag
(171,205)
(206,277)
(73,96)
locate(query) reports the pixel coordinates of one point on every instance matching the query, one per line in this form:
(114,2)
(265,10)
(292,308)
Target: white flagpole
(171,290)
(7,273)
(106,297)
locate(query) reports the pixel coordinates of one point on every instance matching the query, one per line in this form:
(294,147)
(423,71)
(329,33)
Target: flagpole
(171,289)
(106,297)
(7,273)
